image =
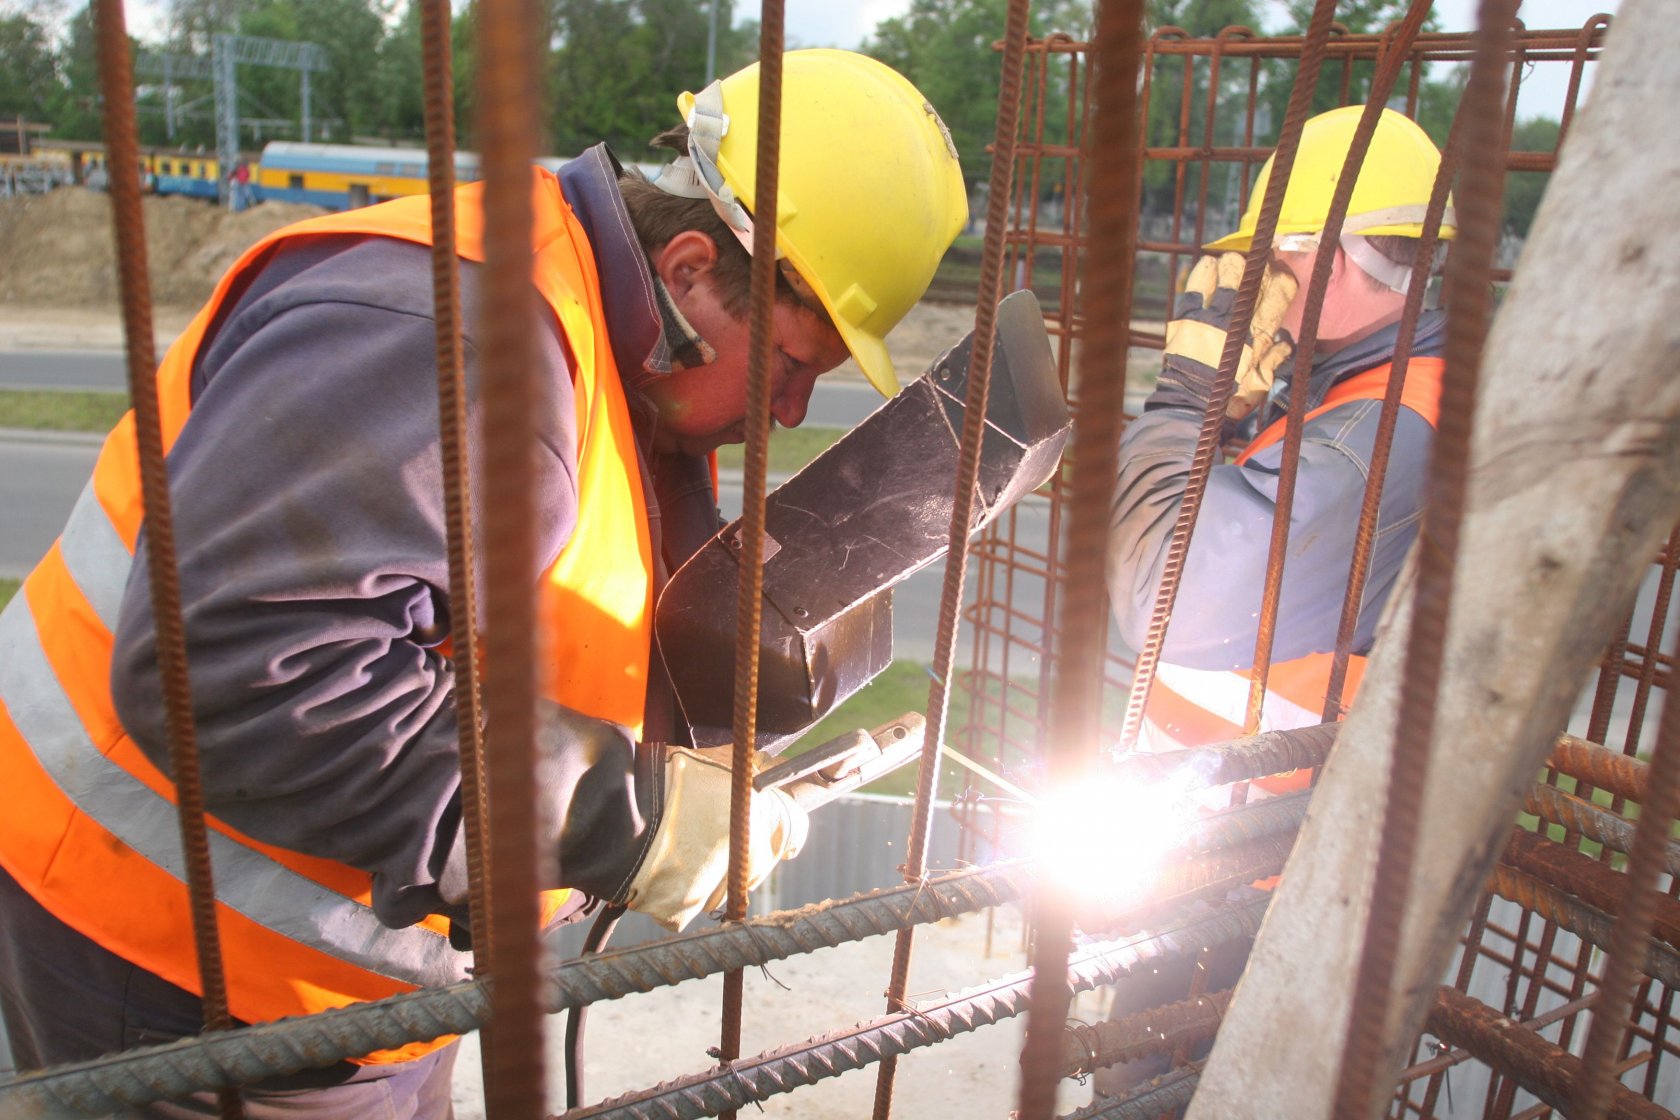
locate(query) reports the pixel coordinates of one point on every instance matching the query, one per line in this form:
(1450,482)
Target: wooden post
(1575,481)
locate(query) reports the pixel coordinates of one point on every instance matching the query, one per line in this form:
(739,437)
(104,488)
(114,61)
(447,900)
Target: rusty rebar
(965,487)
(508,81)
(1158,1030)
(1594,882)
(927,1023)
(1636,915)
(1166,1095)
(1242,314)
(1623,775)
(1359,569)
(1074,739)
(1592,821)
(1306,348)
(1469,306)
(123,164)
(454,447)
(1235,760)
(749,583)
(250,1054)
(1588,922)
(1549,1072)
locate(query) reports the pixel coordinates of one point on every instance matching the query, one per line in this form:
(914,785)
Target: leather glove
(1196,337)
(686,866)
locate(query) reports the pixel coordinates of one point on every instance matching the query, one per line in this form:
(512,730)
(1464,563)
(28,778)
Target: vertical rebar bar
(510,97)
(123,163)
(1115,158)
(1634,920)
(1382,83)
(965,488)
(457,469)
(1469,309)
(1242,314)
(750,581)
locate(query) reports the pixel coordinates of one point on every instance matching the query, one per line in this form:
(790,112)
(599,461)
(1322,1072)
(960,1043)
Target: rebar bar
(1469,308)
(1623,775)
(1549,1072)
(513,398)
(116,79)
(965,489)
(1593,882)
(1592,821)
(1159,1030)
(1636,914)
(1074,739)
(787,1068)
(1241,316)
(1306,348)
(251,1054)
(1275,752)
(1167,1095)
(749,584)
(439,104)
(1590,924)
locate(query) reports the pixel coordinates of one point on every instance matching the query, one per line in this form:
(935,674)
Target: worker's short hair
(659,216)
(1401,250)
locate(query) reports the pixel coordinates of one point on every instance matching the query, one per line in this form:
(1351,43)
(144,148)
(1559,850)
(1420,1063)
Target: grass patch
(790,449)
(61,410)
(8,588)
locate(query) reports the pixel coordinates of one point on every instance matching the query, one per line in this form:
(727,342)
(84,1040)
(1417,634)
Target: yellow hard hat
(1390,197)
(870,194)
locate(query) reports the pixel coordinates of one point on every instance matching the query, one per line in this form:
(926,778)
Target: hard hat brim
(871,356)
(1237,241)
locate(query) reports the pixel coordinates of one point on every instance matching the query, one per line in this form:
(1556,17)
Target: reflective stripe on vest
(91,830)
(1189,707)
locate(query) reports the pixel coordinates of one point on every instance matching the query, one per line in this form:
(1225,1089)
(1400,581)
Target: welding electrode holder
(866,514)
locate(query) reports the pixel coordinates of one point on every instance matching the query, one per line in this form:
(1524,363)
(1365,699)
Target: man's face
(704,407)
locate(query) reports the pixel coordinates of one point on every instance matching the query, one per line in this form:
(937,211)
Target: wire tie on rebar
(1083,1034)
(754,935)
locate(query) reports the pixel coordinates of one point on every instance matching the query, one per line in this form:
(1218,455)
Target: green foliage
(945,48)
(8,588)
(790,448)
(29,84)
(1524,188)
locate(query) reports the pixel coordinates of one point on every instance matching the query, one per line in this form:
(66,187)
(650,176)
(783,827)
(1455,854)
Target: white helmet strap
(1390,274)
(696,175)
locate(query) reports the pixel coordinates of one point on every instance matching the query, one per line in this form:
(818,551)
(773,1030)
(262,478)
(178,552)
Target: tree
(29,84)
(945,48)
(1524,188)
(76,112)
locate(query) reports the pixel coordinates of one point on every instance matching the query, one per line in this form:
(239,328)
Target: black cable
(603,928)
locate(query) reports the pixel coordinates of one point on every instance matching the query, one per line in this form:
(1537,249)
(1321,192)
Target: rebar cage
(1061,186)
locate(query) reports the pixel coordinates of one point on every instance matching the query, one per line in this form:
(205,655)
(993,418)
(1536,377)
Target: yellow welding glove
(687,863)
(1196,337)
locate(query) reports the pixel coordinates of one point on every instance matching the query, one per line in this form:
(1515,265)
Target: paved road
(837,403)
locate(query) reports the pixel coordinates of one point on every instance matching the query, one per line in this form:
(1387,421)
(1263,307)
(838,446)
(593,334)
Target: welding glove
(1196,337)
(687,863)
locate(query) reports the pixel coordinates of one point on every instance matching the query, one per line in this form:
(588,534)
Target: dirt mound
(58,248)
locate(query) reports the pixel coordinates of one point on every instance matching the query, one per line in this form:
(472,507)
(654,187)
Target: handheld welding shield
(864,515)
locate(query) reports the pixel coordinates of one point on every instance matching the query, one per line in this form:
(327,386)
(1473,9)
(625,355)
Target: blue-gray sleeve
(1216,615)
(307,494)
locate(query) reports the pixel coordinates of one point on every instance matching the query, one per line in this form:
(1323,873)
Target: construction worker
(301,420)
(1200,694)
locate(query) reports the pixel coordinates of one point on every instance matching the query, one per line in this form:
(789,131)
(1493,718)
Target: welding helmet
(869,197)
(1390,196)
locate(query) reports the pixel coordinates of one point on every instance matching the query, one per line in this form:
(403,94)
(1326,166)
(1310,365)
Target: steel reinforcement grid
(1209,109)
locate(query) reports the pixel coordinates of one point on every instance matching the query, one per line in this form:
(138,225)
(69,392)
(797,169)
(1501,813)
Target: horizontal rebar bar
(251,1054)
(1621,774)
(1592,821)
(1161,1097)
(1591,925)
(1158,1030)
(780,1071)
(1597,884)
(1275,752)
(1544,1069)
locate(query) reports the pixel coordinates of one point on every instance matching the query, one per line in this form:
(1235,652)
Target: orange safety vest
(1190,707)
(90,826)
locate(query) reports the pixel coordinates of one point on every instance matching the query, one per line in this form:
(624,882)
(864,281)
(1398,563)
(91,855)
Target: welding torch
(846,762)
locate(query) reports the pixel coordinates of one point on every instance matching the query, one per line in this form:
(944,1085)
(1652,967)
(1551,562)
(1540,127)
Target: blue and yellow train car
(345,177)
(195,176)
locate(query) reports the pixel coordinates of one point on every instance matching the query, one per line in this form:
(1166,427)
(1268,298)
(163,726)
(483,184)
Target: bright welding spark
(1103,839)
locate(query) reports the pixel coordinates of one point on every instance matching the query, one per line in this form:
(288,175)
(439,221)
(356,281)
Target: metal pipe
(791,1067)
(249,1054)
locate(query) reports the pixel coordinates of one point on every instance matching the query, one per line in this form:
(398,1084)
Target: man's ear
(683,260)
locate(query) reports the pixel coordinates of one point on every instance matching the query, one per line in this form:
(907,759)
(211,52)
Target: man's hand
(1196,337)
(688,861)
